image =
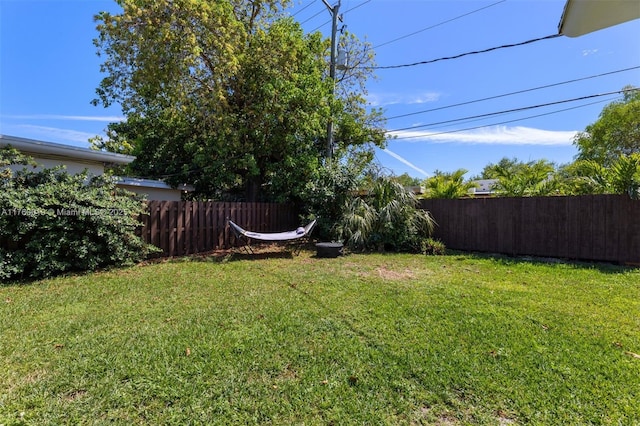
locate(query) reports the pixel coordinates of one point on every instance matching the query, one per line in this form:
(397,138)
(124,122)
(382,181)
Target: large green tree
(615,133)
(226,95)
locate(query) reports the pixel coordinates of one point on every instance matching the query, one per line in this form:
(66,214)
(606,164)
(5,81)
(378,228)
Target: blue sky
(49,71)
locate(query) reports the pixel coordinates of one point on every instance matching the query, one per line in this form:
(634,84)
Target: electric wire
(475,52)
(361,4)
(438,24)
(518,119)
(491,114)
(308,19)
(504,122)
(512,93)
(301,10)
(346,11)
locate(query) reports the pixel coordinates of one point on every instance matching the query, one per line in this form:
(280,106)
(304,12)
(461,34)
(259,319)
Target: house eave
(581,17)
(36,147)
(150,183)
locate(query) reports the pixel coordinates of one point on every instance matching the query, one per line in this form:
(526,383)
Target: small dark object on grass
(329,249)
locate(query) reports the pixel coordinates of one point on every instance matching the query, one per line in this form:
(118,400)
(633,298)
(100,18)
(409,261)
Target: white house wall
(72,167)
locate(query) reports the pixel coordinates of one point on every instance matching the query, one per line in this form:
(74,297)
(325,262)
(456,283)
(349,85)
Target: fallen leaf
(188,352)
(631,354)
(325,382)
(58,346)
(8,300)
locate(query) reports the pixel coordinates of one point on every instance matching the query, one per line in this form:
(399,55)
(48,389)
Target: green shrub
(325,196)
(432,247)
(53,222)
(386,218)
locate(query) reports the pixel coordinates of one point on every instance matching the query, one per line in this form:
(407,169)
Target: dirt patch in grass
(391,275)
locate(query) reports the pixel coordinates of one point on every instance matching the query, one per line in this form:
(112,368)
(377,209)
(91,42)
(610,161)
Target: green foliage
(448,185)
(591,177)
(53,222)
(229,96)
(432,247)
(519,179)
(615,133)
(326,194)
(386,217)
(406,180)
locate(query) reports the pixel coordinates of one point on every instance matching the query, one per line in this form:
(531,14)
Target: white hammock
(270,236)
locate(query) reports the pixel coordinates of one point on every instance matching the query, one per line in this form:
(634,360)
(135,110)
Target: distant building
(485,188)
(77,159)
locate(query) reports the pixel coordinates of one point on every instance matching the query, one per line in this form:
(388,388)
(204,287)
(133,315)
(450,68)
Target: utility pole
(332,70)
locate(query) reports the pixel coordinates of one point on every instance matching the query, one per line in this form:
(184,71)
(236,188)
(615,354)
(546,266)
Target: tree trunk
(253,188)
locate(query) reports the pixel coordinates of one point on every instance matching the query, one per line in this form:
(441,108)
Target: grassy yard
(363,339)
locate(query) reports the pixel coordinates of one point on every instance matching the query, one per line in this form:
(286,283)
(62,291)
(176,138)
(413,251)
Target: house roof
(32,146)
(584,16)
(149,183)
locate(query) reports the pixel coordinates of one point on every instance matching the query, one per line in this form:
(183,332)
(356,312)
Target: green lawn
(362,339)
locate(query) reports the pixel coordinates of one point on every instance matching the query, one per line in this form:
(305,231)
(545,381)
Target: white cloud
(423,98)
(55,134)
(495,135)
(384,99)
(406,162)
(588,52)
(99,118)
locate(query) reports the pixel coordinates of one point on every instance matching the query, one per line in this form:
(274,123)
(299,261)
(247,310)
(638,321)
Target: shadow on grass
(259,252)
(507,260)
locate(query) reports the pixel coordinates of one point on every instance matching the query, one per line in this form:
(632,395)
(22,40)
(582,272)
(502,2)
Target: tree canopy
(226,95)
(615,133)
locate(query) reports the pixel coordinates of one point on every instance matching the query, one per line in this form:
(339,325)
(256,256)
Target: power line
(438,24)
(346,11)
(308,19)
(508,121)
(355,7)
(504,46)
(514,110)
(301,10)
(511,93)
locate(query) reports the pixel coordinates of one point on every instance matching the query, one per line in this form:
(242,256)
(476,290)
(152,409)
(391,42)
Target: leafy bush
(621,177)
(53,222)
(325,196)
(385,218)
(432,247)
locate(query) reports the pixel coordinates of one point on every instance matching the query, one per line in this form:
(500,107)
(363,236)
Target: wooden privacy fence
(592,227)
(187,227)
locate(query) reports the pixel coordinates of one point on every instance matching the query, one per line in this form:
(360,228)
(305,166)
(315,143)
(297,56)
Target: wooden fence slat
(592,227)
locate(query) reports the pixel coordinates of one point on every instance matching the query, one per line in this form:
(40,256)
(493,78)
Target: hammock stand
(247,236)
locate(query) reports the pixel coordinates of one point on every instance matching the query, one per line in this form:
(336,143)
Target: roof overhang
(35,147)
(584,16)
(150,183)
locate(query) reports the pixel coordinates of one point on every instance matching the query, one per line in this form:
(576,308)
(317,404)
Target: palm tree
(448,185)
(623,177)
(386,218)
(535,178)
